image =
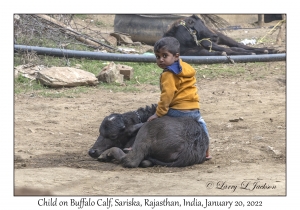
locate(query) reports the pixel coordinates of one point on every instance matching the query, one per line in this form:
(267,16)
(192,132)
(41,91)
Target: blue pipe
(148,58)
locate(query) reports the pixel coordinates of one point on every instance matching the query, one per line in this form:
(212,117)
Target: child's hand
(152,117)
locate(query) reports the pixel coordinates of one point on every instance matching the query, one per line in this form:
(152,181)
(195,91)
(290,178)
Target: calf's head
(195,23)
(114,132)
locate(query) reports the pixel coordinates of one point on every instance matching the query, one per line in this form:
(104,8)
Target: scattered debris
(70,77)
(136,79)
(127,50)
(248,41)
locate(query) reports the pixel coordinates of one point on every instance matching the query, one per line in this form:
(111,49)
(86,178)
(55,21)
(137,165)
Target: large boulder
(65,77)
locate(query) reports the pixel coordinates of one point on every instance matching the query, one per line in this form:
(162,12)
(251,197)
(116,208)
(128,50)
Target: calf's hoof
(105,156)
(126,150)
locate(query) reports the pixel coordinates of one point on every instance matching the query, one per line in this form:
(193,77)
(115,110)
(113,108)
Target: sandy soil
(53,136)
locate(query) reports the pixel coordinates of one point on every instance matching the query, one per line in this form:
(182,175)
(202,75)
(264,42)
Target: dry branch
(80,37)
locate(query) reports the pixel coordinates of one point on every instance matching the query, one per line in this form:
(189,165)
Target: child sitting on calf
(179,94)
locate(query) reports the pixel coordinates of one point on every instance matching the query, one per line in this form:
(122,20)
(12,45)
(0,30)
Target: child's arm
(168,89)
(152,117)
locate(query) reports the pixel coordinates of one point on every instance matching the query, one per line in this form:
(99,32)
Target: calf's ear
(190,23)
(133,128)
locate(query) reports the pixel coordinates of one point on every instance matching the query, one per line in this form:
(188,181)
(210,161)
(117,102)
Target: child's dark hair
(169,43)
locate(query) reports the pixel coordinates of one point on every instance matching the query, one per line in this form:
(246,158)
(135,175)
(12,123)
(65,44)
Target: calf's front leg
(111,153)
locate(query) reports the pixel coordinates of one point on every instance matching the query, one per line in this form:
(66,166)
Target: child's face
(164,58)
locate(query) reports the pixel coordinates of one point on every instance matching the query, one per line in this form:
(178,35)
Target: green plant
(99,23)
(25,85)
(82,16)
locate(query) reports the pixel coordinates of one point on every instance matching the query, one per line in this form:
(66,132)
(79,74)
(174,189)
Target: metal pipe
(148,58)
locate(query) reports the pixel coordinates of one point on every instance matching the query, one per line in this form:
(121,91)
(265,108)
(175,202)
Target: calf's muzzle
(94,153)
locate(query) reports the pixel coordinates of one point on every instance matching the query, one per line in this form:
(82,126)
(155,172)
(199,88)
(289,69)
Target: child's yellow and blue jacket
(178,88)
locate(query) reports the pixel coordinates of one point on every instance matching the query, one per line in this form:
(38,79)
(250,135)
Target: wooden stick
(280,33)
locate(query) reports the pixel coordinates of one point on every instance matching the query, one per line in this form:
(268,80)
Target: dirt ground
(53,135)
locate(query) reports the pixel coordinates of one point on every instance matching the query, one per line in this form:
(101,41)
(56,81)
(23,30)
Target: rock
(110,39)
(110,74)
(236,119)
(148,48)
(136,44)
(276,152)
(126,71)
(29,70)
(31,130)
(258,138)
(122,38)
(66,77)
